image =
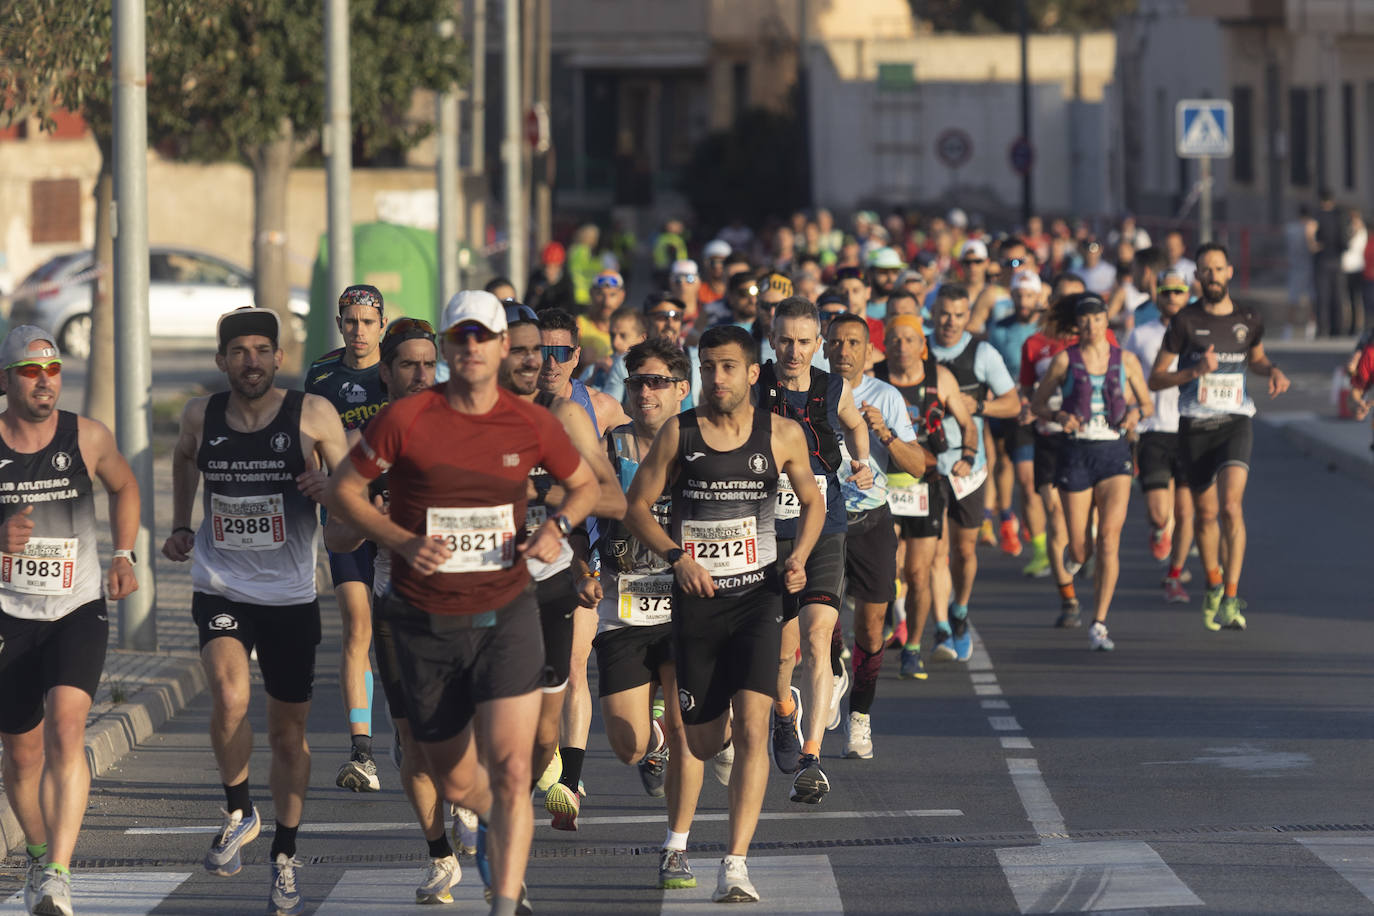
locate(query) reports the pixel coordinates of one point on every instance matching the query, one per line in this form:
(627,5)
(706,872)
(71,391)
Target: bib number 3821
(479,539)
(46,567)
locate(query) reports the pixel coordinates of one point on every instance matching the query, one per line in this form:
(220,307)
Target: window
(1243,155)
(1348,134)
(55,208)
(1299,126)
(1319,137)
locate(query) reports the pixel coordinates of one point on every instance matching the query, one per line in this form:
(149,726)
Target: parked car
(187,292)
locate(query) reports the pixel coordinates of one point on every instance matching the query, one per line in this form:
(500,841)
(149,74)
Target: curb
(119,729)
(1358,466)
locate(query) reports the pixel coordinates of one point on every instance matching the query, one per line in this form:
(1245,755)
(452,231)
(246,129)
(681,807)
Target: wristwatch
(565,527)
(126,554)
(672,556)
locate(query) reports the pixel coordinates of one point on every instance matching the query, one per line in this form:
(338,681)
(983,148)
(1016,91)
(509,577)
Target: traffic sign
(1022,156)
(954,147)
(1203,127)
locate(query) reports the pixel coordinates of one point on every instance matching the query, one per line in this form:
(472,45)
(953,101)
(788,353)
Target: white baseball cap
(1028,280)
(974,248)
(957,218)
(683,267)
(474,305)
(716,248)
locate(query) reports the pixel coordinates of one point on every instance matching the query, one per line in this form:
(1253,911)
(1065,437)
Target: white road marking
(996,704)
(1016,744)
(987,690)
(1082,877)
(1351,857)
(362,891)
(1004,723)
(983,677)
(379,827)
(786,885)
(1041,810)
(129,893)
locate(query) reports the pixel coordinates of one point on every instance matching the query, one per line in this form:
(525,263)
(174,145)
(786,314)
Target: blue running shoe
(912,666)
(961,638)
(285,899)
(223,859)
(787,737)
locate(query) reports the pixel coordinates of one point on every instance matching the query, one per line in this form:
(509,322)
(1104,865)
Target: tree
(752,171)
(56,55)
(250,82)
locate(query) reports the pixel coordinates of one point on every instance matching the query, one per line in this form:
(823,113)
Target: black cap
(245,321)
(654,300)
(1088,304)
(832,297)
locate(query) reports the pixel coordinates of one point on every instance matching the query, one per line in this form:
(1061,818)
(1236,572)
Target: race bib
(963,486)
(46,567)
(534,517)
(724,548)
(1221,391)
(788,506)
(909,501)
(480,539)
(646,601)
(1098,429)
(248,522)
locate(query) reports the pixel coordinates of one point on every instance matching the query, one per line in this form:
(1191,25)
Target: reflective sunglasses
(750,290)
(684,278)
(829,315)
(1182,291)
(403,326)
(605,282)
(1013,263)
(34,370)
(666,313)
(652,382)
(470,331)
(560,353)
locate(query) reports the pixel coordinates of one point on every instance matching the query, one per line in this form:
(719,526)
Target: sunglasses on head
(34,370)
(1182,291)
(652,382)
(402,326)
(559,353)
(470,331)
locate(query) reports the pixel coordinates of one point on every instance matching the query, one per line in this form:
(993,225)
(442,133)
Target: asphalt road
(1226,772)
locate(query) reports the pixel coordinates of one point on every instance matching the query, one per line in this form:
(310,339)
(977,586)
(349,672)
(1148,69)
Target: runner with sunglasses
(556,583)
(408,358)
(994,301)
(348,378)
(54,623)
(594,327)
(461,605)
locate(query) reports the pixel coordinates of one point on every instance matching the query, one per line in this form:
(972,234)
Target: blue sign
(1203,127)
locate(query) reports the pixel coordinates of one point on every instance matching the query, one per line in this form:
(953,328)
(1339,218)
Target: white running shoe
(1098,638)
(440,875)
(464,830)
(859,736)
(841,687)
(733,885)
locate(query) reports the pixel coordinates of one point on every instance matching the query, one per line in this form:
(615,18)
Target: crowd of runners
(735,495)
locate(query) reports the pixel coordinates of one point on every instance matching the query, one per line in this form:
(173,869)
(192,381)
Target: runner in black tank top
(54,624)
(720,464)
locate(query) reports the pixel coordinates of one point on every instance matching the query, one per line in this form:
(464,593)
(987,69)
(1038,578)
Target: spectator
(550,285)
(1353,265)
(713,281)
(1178,260)
(1098,275)
(1331,238)
(583,263)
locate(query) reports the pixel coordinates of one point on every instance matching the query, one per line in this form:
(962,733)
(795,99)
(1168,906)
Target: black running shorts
(452,663)
(722,646)
(824,575)
(285,636)
(629,657)
(1212,444)
(1046,458)
(1159,456)
(964,513)
(932,524)
(870,557)
(38,655)
(558,601)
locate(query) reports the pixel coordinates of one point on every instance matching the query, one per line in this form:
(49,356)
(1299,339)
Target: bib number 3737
(479,539)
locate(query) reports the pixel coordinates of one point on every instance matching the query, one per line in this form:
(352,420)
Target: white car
(187,292)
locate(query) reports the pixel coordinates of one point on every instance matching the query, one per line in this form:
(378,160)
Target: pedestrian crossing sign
(1203,128)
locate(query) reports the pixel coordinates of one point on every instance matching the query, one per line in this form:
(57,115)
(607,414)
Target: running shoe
(723,764)
(551,772)
(1211,603)
(1174,593)
(223,859)
(55,894)
(674,872)
(944,647)
(522,906)
(896,637)
(858,739)
(810,784)
(733,885)
(285,899)
(563,804)
(33,877)
(1098,638)
(464,832)
(359,773)
(1068,615)
(1038,567)
(787,736)
(912,666)
(1160,544)
(837,692)
(654,767)
(962,639)
(1011,537)
(986,533)
(441,875)
(1231,616)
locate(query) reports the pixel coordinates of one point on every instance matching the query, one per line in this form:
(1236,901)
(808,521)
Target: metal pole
(1204,207)
(478,166)
(512,153)
(543,86)
(133,356)
(804,100)
(1027,202)
(450,196)
(338,151)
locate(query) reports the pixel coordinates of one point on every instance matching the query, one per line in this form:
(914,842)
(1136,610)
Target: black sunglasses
(560,353)
(652,382)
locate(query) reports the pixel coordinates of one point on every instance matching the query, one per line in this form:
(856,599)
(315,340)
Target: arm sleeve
(988,365)
(557,453)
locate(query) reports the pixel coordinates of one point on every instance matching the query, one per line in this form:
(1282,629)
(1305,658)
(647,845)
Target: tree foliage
(753,171)
(55,56)
(1004,15)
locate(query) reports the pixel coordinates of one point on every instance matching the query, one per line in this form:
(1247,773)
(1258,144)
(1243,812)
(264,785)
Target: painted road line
(381,890)
(983,677)
(1083,877)
(380,827)
(1016,744)
(1041,810)
(1004,723)
(130,893)
(996,704)
(1351,857)
(786,885)
(987,690)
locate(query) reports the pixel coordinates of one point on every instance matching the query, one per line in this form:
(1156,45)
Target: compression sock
(236,799)
(440,848)
(284,841)
(867,667)
(572,766)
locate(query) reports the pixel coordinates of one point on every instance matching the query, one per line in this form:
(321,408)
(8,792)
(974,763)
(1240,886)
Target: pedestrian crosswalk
(1052,877)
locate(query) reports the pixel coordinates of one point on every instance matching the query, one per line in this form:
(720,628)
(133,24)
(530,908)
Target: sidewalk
(1342,445)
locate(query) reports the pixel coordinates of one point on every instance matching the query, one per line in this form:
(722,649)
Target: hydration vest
(827,449)
(930,424)
(1078,400)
